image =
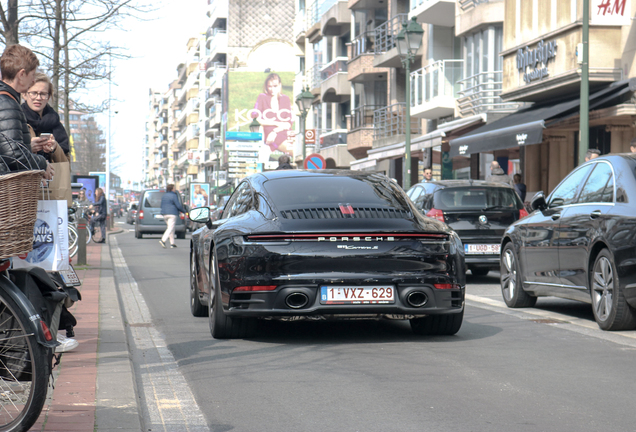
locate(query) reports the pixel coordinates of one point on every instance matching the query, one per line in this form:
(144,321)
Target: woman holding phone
(51,139)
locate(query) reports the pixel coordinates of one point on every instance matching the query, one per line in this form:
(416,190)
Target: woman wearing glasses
(51,137)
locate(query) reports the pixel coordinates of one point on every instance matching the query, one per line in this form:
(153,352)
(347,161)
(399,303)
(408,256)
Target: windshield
(476,198)
(368,191)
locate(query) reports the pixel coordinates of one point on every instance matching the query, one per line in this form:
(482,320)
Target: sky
(157,46)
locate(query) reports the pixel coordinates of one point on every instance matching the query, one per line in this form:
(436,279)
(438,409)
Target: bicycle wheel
(88,234)
(97,236)
(24,371)
(72,237)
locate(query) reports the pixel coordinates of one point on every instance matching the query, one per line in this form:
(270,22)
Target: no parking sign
(315,161)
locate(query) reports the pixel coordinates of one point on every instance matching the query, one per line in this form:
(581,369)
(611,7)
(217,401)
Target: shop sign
(610,12)
(536,59)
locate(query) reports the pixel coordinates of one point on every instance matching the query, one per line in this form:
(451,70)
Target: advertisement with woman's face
(266,97)
(199,195)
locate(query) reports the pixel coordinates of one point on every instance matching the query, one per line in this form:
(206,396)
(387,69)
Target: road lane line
(169,403)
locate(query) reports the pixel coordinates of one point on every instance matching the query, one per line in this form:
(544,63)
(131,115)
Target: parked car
(132,213)
(149,219)
(324,244)
(579,243)
(477,210)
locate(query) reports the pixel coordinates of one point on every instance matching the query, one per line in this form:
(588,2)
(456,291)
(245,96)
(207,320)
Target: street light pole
(584,117)
(304,101)
(408,43)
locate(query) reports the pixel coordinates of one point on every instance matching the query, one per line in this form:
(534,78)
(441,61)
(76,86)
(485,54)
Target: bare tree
(88,143)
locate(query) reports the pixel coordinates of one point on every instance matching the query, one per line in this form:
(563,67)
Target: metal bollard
(81,241)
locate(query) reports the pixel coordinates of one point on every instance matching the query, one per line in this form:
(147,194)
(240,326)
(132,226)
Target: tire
(196,308)
(24,373)
(221,325)
(437,325)
(97,237)
(479,271)
(138,234)
(611,311)
(511,289)
(89,235)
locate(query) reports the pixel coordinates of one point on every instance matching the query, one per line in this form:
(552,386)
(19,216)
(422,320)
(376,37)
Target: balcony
(216,79)
(360,130)
(473,15)
(298,29)
(437,12)
(192,93)
(334,85)
(192,144)
(333,147)
(181,160)
(211,130)
(314,78)
(434,89)
(216,43)
(480,93)
(361,55)
(336,20)
(390,122)
(193,118)
(215,114)
(385,42)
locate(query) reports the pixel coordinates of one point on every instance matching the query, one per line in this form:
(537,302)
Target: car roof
(464,183)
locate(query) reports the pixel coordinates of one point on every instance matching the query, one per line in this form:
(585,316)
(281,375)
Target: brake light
(522,213)
(252,288)
(446,286)
(436,214)
(182,216)
(141,214)
(47,332)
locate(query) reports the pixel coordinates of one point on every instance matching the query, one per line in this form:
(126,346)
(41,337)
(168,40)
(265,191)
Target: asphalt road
(544,369)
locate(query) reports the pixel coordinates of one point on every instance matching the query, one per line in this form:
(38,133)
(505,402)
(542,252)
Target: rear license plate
(383,294)
(159,217)
(482,249)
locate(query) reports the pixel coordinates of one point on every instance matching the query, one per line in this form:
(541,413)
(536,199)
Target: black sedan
(324,244)
(579,244)
(478,211)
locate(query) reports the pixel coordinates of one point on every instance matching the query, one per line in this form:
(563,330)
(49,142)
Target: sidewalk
(94,384)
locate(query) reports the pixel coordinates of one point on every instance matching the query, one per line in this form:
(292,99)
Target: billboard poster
(268,98)
(102,178)
(199,195)
(89,183)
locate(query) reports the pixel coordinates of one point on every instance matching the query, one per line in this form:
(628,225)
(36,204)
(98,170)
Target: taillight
(141,214)
(446,286)
(47,332)
(252,288)
(522,213)
(436,214)
(182,216)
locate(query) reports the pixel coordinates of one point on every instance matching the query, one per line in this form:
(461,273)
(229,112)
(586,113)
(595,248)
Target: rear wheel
(197,309)
(221,325)
(513,293)
(437,325)
(24,370)
(611,311)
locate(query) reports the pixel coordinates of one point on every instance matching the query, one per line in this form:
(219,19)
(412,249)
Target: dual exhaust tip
(299,300)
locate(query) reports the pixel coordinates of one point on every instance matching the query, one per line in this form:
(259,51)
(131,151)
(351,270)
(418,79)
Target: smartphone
(45,135)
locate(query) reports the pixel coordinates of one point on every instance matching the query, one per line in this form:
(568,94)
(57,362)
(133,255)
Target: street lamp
(409,40)
(304,101)
(255,126)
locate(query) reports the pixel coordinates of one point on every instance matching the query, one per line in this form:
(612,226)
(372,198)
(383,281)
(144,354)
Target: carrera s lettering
(349,247)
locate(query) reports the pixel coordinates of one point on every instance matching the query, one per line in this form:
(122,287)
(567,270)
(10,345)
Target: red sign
(315,161)
(310,136)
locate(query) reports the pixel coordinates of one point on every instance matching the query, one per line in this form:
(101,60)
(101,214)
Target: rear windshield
(371,191)
(152,199)
(476,198)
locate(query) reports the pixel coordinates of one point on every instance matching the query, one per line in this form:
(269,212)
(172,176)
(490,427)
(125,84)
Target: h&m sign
(536,59)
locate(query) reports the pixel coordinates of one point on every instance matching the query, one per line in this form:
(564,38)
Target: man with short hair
(428,174)
(283,162)
(592,154)
(498,175)
(632,145)
(17,65)
(170,208)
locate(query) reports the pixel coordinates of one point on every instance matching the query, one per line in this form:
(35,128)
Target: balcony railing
(464,5)
(314,75)
(299,23)
(339,64)
(391,121)
(480,93)
(363,44)
(317,9)
(362,116)
(386,33)
(437,79)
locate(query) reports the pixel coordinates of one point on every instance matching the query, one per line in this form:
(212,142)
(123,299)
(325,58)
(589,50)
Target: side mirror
(201,214)
(538,201)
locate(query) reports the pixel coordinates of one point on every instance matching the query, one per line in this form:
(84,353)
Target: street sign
(310,136)
(315,161)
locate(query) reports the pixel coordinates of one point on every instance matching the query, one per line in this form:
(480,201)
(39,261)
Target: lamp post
(255,126)
(409,40)
(217,150)
(304,101)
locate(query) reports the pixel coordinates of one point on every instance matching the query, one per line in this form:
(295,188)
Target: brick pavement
(71,405)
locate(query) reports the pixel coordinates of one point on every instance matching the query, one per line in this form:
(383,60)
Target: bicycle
(24,362)
(73,233)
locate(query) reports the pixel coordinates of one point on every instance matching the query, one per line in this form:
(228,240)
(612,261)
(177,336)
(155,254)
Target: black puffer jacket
(15,139)
(48,123)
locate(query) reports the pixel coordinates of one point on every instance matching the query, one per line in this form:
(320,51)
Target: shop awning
(525,127)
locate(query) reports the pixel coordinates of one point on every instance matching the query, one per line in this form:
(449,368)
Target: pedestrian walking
(632,145)
(519,187)
(170,209)
(100,213)
(428,174)
(592,154)
(498,175)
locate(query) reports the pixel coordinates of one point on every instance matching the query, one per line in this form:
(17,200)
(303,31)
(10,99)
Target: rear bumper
(158,229)
(483,261)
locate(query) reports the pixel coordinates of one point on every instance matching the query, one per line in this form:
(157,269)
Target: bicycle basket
(18,211)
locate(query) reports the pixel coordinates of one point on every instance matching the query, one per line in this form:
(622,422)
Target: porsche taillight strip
(345,237)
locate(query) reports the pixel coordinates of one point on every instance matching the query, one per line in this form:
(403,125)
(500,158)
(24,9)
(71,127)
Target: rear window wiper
(498,207)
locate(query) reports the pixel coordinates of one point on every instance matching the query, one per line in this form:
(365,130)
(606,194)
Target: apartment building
(87,143)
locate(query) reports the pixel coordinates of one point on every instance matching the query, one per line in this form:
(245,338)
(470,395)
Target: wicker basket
(18,211)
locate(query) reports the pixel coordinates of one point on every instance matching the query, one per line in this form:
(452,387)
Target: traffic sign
(315,161)
(310,136)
